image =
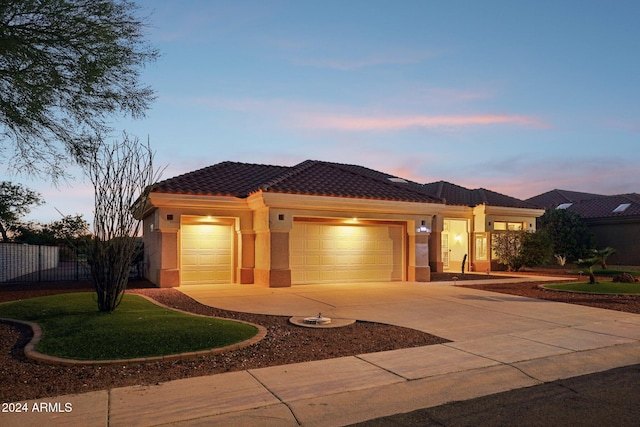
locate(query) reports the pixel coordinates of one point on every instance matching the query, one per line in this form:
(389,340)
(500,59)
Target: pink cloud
(359,123)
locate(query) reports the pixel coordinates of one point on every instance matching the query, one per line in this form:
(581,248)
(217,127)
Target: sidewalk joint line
(358,356)
(293,414)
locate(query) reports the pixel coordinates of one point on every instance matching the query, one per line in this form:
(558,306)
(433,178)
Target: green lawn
(599,288)
(74,328)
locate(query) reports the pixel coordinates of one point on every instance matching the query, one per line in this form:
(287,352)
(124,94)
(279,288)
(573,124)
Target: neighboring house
(614,220)
(316,222)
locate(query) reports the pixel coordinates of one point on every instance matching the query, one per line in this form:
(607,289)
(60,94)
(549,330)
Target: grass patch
(73,328)
(598,288)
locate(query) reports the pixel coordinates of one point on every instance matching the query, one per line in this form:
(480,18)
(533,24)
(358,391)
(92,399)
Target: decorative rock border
(544,287)
(335,323)
(31,353)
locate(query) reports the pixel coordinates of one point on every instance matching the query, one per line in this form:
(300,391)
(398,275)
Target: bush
(624,278)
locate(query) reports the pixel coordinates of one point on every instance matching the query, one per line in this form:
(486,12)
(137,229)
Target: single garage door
(345,253)
(206,254)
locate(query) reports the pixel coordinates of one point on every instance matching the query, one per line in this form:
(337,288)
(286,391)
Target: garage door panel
(206,254)
(346,253)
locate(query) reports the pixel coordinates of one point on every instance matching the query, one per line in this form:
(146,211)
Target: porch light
(423,229)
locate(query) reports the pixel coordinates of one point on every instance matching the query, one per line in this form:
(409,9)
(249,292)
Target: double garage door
(319,253)
(207,254)
(345,253)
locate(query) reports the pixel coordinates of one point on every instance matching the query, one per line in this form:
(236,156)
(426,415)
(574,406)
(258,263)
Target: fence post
(39,263)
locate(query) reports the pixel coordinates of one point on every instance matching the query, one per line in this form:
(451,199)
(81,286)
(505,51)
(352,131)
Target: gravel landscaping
(285,343)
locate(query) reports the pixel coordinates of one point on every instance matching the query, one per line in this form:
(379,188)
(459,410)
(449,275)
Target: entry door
(206,254)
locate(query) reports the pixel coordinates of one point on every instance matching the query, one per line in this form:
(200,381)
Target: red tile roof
(222,179)
(309,178)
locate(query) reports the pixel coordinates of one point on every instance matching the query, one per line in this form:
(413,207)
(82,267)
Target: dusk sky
(519,97)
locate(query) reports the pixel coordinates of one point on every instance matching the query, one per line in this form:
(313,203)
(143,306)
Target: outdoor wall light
(423,229)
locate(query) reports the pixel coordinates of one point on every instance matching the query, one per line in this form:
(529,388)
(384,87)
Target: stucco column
(168,273)
(247,262)
(435,254)
(272,266)
(419,269)
(272,248)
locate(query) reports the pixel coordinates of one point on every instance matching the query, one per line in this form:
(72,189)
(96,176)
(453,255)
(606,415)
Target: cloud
(313,116)
(390,123)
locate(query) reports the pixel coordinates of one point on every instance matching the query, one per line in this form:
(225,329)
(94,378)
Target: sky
(519,97)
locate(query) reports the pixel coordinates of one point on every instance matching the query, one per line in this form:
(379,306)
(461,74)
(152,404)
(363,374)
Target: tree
(122,174)
(507,245)
(570,236)
(16,201)
(588,263)
(69,228)
(518,248)
(536,249)
(66,66)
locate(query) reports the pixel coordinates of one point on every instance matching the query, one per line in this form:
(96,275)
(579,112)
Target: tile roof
(604,206)
(309,178)
(589,205)
(319,178)
(457,195)
(554,198)
(222,179)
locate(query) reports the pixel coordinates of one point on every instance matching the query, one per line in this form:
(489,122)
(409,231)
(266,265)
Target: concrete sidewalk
(499,343)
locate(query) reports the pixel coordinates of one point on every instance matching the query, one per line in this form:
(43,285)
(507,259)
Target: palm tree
(603,254)
(588,263)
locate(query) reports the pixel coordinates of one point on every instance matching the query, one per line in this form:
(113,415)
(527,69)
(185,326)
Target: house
(486,212)
(614,220)
(316,222)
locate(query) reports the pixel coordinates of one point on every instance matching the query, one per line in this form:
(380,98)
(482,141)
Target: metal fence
(39,263)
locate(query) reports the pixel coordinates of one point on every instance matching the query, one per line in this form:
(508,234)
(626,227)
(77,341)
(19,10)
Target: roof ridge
(295,170)
(387,181)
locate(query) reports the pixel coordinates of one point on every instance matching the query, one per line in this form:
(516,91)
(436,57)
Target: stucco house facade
(313,222)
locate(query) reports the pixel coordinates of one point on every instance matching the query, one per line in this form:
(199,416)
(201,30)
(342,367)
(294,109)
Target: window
(481,247)
(622,207)
(504,226)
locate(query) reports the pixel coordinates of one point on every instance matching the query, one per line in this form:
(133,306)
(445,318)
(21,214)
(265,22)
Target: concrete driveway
(439,308)
(499,343)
